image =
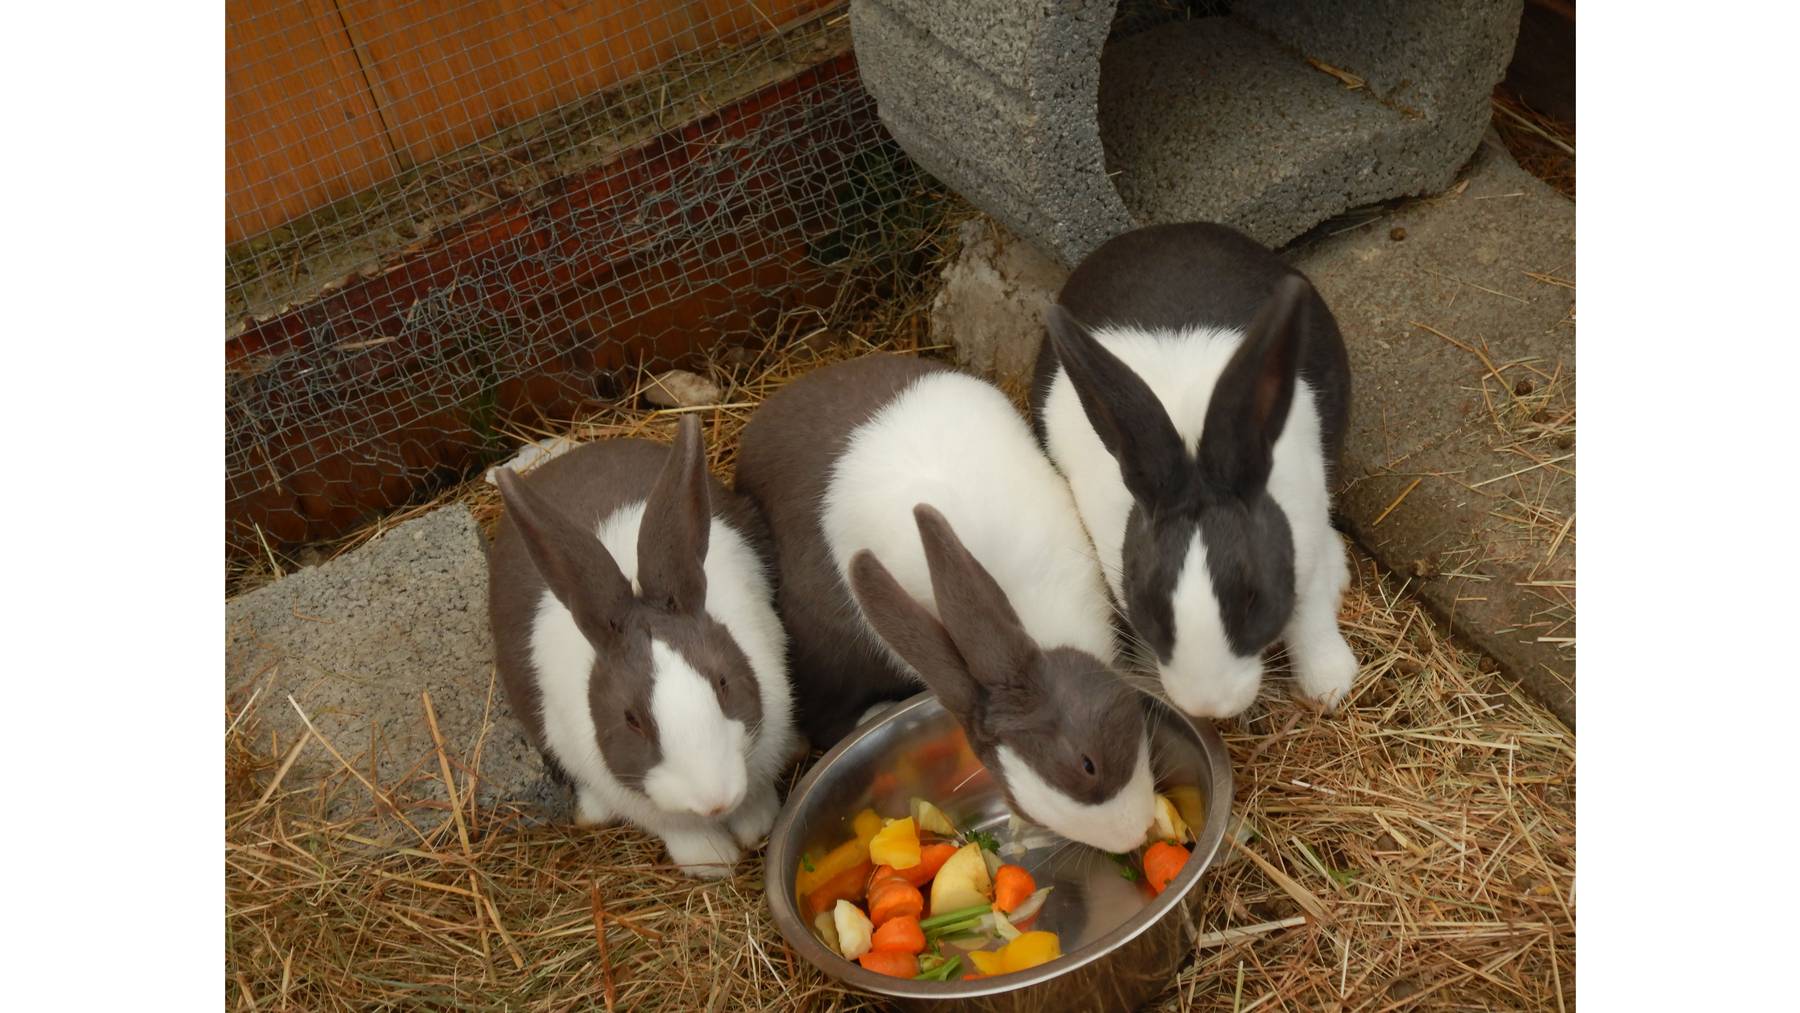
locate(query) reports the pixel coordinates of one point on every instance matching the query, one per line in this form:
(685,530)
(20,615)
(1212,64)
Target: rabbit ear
(1250,403)
(1123,410)
(677,524)
(972,605)
(579,570)
(910,630)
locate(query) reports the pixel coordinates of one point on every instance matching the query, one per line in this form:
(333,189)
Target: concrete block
(356,640)
(991,300)
(1070,132)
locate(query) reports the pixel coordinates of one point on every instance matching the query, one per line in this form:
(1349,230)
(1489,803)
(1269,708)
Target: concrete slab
(1458,476)
(356,640)
(1460,467)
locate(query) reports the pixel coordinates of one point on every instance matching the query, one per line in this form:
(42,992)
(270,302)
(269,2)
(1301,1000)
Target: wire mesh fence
(444,216)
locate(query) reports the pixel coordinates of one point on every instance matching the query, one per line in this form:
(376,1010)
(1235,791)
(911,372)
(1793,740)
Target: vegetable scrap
(868,899)
(915,898)
(1162,863)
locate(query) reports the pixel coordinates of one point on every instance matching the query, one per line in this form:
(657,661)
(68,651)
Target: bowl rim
(784,909)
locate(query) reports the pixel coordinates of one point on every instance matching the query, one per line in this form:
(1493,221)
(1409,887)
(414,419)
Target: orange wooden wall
(324,98)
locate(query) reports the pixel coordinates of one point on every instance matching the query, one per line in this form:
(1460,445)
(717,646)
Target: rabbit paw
(591,810)
(703,854)
(754,816)
(1325,669)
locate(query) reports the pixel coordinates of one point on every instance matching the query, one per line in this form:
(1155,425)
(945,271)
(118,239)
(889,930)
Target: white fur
(1181,368)
(704,758)
(702,765)
(1201,646)
(1117,824)
(956,443)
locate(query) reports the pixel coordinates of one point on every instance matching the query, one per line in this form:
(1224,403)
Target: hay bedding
(1416,850)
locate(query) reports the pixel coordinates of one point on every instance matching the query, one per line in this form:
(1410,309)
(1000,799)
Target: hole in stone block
(1211,110)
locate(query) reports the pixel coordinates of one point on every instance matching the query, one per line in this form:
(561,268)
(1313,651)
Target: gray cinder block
(356,640)
(1070,133)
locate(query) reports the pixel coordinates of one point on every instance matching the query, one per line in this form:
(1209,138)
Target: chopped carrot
(902,935)
(941,748)
(893,897)
(845,885)
(890,962)
(973,977)
(1012,886)
(967,770)
(931,858)
(1162,863)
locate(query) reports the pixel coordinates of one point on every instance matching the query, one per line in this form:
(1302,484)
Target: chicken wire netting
(447,217)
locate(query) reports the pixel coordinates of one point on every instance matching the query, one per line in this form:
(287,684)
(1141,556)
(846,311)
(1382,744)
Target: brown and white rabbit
(633,619)
(1195,392)
(921,488)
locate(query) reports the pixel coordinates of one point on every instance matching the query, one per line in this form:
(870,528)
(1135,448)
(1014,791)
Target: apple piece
(854,930)
(1169,824)
(931,819)
(962,882)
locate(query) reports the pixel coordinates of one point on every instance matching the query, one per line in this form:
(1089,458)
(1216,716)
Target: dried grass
(1431,821)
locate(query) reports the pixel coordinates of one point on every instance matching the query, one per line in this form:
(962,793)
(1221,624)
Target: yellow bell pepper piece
(988,961)
(866,824)
(897,845)
(1030,950)
(845,856)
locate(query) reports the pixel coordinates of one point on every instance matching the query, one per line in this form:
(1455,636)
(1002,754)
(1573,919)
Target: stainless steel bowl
(1121,944)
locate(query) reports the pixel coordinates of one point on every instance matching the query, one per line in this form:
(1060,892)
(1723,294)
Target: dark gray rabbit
(637,640)
(1195,391)
(922,536)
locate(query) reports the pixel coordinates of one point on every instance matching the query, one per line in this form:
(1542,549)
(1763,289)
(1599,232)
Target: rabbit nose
(718,805)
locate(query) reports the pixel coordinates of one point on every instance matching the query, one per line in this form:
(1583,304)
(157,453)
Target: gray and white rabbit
(633,618)
(1194,392)
(921,490)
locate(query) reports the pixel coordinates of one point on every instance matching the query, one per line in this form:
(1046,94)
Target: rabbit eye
(632,722)
(721,683)
(1087,764)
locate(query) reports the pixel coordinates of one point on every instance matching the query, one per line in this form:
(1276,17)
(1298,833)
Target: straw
(1414,849)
